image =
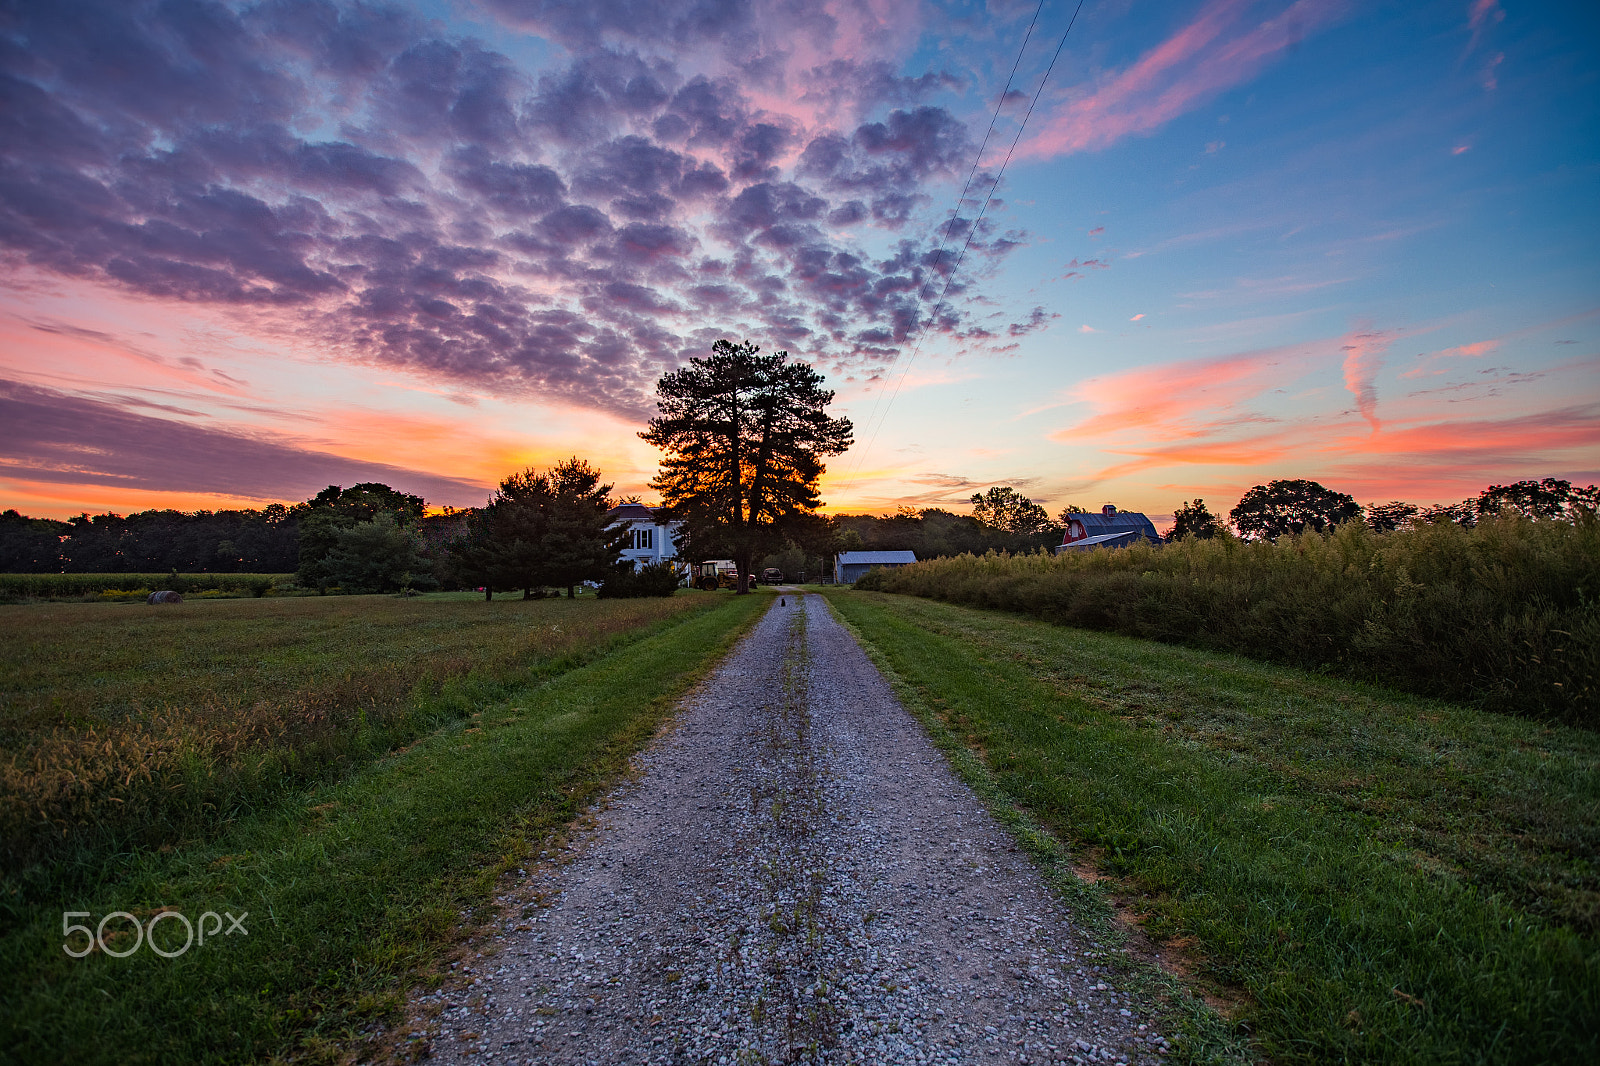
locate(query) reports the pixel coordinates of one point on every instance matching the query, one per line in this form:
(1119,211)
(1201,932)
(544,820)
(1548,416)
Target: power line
(973,229)
(955,213)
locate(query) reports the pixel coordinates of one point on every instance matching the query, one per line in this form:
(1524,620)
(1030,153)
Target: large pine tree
(744,436)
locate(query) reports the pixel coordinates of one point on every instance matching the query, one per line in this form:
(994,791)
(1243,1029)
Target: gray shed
(851,565)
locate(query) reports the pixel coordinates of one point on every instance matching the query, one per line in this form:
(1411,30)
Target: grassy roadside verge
(1375,877)
(356,887)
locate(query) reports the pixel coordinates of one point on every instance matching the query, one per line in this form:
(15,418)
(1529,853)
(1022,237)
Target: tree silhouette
(1003,507)
(333,510)
(744,436)
(1278,507)
(1194,520)
(542,528)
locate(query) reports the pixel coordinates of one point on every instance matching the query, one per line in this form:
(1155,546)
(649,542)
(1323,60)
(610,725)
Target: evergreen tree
(542,528)
(744,436)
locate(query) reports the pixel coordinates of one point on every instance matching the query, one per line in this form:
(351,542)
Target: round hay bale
(165,596)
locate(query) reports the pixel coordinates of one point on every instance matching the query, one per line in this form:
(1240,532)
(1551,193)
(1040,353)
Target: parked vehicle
(772,576)
(713,574)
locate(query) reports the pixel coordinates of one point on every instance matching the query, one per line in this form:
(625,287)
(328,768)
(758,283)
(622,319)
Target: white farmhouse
(649,537)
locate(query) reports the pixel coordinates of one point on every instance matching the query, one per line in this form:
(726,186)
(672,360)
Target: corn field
(104,587)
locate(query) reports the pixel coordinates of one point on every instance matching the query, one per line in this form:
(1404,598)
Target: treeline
(229,542)
(933,532)
(1504,612)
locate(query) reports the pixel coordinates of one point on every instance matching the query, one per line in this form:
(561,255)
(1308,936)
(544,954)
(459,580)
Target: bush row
(1506,615)
(90,586)
(651,579)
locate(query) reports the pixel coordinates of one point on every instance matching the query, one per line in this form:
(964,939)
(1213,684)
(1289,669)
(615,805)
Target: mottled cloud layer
(351,175)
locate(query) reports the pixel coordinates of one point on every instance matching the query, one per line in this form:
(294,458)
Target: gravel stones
(795,876)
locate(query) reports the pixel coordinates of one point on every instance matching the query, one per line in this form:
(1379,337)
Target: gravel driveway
(794,876)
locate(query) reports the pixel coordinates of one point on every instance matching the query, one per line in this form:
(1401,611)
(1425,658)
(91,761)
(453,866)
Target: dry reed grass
(1506,615)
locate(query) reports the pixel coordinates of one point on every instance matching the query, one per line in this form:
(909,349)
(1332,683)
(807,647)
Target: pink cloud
(1481,11)
(1479,16)
(1221,48)
(1465,351)
(1364,351)
(1491,77)
(1136,317)
(1180,401)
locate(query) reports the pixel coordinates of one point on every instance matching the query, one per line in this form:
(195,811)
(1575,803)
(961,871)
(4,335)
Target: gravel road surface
(794,876)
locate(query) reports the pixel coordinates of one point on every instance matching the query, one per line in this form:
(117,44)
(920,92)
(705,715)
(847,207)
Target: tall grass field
(1505,615)
(1367,876)
(354,772)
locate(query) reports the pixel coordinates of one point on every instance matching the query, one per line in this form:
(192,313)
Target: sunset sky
(253,249)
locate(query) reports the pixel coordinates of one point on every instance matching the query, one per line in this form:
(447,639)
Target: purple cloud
(55,437)
(572,234)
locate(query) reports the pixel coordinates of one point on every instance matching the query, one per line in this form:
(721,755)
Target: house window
(643,538)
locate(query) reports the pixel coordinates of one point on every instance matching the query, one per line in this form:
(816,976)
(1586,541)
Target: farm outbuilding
(1110,528)
(851,565)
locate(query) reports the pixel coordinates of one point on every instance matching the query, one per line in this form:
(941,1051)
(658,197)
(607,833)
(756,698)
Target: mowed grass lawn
(1371,877)
(360,880)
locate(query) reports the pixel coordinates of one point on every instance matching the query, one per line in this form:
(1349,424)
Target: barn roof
(876,558)
(1097,523)
(1101,540)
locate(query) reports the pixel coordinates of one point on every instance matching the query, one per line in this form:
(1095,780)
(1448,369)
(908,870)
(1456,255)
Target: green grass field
(132,726)
(1370,876)
(358,883)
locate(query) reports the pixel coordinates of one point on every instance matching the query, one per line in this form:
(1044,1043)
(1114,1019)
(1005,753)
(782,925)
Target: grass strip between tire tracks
(1330,904)
(359,890)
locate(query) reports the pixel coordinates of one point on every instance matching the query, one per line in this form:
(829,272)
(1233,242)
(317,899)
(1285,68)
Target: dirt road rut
(795,876)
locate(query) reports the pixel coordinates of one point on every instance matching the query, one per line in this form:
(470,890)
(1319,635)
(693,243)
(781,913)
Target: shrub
(1506,614)
(651,579)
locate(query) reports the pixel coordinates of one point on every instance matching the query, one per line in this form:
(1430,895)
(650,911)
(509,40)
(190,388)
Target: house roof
(876,558)
(631,512)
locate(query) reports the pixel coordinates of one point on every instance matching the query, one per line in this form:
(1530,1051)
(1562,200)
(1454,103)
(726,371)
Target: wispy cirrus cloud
(1227,43)
(1428,362)
(1211,413)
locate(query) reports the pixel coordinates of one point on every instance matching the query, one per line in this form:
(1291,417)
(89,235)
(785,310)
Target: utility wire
(972,231)
(955,213)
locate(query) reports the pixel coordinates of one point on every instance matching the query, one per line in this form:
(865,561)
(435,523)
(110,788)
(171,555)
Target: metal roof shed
(851,565)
